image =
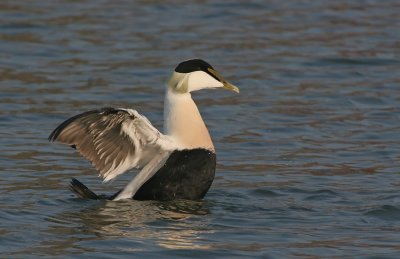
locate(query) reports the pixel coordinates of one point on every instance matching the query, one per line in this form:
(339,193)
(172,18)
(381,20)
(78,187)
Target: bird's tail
(82,191)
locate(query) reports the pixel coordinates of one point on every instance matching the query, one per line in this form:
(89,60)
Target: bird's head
(196,74)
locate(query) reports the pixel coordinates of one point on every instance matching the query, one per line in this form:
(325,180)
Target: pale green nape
(178,82)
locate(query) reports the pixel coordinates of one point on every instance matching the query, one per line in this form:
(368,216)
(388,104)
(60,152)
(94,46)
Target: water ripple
(308,153)
(385,212)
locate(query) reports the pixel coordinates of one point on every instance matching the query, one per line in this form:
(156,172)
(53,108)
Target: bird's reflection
(173,225)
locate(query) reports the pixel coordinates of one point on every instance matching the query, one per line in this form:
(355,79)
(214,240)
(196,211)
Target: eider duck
(179,164)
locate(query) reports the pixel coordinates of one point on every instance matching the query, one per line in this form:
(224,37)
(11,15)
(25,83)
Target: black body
(187,174)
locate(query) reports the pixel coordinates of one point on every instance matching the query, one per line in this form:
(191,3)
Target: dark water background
(308,153)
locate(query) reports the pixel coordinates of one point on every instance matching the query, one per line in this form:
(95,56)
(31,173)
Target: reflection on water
(170,225)
(308,153)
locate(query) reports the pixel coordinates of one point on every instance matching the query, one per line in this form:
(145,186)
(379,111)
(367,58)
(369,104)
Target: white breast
(183,122)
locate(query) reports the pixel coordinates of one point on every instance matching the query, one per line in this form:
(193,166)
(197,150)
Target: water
(308,153)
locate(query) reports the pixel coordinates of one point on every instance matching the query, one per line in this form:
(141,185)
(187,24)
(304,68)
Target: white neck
(183,122)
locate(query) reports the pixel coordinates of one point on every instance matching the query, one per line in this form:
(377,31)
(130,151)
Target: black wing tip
(52,136)
(56,132)
(81,190)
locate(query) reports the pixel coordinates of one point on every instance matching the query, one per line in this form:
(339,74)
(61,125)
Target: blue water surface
(308,152)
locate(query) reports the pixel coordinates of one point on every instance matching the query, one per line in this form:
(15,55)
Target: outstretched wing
(114,140)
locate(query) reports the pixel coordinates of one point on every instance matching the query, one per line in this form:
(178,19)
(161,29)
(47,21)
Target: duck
(179,163)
